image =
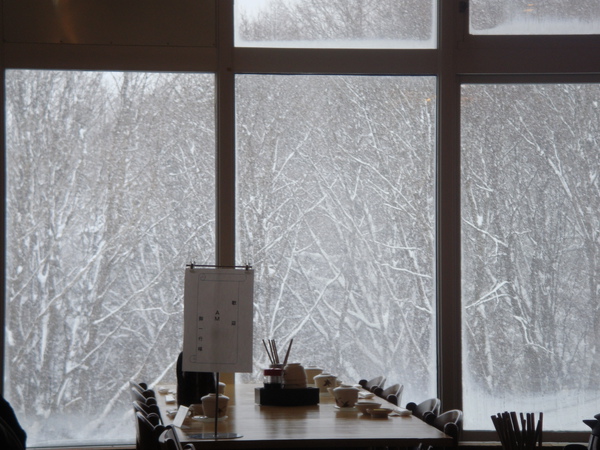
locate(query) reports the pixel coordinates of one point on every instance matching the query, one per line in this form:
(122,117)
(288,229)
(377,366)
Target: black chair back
(168,440)
(147,433)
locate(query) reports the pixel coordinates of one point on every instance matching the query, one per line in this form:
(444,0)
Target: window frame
(459,58)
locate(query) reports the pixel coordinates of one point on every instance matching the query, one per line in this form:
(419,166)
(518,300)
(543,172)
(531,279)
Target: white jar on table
(311,372)
(294,376)
(209,405)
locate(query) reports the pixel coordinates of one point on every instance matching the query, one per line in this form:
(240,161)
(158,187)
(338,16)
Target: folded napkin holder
(287,397)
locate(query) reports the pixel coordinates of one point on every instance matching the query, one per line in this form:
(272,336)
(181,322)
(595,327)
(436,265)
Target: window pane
(336,23)
(530,252)
(534,17)
(110,191)
(336,212)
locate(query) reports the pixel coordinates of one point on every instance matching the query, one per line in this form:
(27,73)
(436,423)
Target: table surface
(321,425)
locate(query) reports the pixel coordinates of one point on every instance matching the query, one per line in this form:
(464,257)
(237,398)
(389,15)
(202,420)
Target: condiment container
(273,378)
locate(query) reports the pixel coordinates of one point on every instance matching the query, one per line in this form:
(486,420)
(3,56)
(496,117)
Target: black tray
(286,397)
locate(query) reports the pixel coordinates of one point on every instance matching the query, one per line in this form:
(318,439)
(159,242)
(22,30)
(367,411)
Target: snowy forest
(530,245)
(111,191)
(529,17)
(330,23)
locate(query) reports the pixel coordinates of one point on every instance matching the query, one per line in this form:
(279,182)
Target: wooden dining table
(315,426)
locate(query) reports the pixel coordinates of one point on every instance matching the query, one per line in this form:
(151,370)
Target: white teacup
(324,381)
(345,396)
(209,405)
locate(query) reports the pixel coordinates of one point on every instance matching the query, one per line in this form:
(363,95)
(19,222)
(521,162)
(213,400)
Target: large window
(530,250)
(336,210)
(110,190)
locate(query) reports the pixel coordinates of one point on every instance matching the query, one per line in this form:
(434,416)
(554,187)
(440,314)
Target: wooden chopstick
(287,354)
(268,353)
(515,434)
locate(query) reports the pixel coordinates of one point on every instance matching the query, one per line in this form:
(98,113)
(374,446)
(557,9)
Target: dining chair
(450,423)
(139,386)
(137,395)
(427,410)
(146,409)
(142,396)
(575,447)
(147,433)
(168,440)
(372,384)
(392,394)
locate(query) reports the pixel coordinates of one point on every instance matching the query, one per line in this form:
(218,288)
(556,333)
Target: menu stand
(216,435)
(218,325)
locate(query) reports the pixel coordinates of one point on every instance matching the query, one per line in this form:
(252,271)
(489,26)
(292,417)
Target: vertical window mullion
(225,143)
(448,211)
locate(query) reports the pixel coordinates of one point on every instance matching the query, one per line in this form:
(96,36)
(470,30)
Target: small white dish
(402,412)
(208,419)
(380,413)
(366,395)
(363,407)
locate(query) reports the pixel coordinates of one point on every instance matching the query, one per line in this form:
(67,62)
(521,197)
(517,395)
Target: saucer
(366,395)
(401,412)
(364,406)
(345,408)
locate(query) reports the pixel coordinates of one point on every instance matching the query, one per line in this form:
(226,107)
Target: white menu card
(218,314)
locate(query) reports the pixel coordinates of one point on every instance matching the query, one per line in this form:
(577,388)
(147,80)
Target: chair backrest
(146,409)
(393,394)
(427,410)
(147,433)
(450,422)
(142,396)
(137,395)
(139,386)
(149,393)
(168,440)
(373,384)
